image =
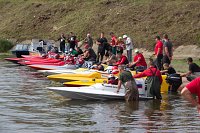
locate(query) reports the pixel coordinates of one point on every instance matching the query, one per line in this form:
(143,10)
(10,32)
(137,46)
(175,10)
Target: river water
(26,106)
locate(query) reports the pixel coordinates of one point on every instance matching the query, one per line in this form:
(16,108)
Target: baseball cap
(125,36)
(136,50)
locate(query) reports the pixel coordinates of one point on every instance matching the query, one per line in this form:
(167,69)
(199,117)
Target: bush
(5,45)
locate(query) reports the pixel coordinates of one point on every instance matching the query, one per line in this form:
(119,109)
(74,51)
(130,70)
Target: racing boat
(98,92)
(14,60)
(53,67)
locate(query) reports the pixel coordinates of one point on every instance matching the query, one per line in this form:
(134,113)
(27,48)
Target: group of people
(112,53)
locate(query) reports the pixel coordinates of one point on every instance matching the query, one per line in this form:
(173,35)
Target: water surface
(26,106)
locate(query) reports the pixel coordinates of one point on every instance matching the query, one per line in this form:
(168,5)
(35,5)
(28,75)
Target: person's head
(100,67)
(189,60)
(71,33)
(102,34)
(121,68)
(120,38)
(157,38)
(165,36)
(53,50)
(151,62)
(88,35)
(125,37)
(165,66)
(137,51)
(111,34)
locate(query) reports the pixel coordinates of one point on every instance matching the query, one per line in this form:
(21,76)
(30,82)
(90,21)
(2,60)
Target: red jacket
(123,60)
(159,44)
(149,73)
(113,41)
(141,59)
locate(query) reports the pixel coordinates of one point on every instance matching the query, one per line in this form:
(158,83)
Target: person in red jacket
(122,59)
(139,61)
(153,80)
(113,42)
(192,88)
(158,52)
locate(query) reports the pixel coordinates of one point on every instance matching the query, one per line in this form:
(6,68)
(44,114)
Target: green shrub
(5,45)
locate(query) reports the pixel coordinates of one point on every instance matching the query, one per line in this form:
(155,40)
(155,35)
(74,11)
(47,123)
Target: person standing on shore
(168,50)
(129,47)
(88,40)
(158,52)
(190,89)
(101,42)
(62,39)
(113,42)
(72,40)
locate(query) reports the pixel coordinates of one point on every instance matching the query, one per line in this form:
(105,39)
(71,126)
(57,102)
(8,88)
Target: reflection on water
(27,106)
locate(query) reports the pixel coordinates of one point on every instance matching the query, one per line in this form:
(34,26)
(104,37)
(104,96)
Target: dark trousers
(100,56)
(62,47)
(166,59)
(158,61)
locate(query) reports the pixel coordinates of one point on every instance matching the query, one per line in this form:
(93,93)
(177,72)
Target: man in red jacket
(158,52)
(139,61)
(153,80)
(123,60)
(113,42)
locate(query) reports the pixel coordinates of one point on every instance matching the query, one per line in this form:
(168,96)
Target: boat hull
(98,92)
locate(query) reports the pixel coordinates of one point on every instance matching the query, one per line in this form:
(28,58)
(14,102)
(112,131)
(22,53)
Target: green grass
(140,19)
(5,45)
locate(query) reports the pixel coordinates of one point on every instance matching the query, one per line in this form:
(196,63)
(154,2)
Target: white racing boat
(99,92)
(76,71)
(51,67)
(68,71)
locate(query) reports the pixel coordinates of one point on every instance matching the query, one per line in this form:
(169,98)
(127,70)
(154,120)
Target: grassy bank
(140,19)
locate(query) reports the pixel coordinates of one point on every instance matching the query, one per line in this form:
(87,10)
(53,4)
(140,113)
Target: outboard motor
(175,80)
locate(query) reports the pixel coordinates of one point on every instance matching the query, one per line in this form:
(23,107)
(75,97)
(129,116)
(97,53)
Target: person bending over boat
(173,79)
(168,69)
(194,70)
(153,80)
(139,62)
(190,89)
(123,60)
(111,59)
(126,79)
